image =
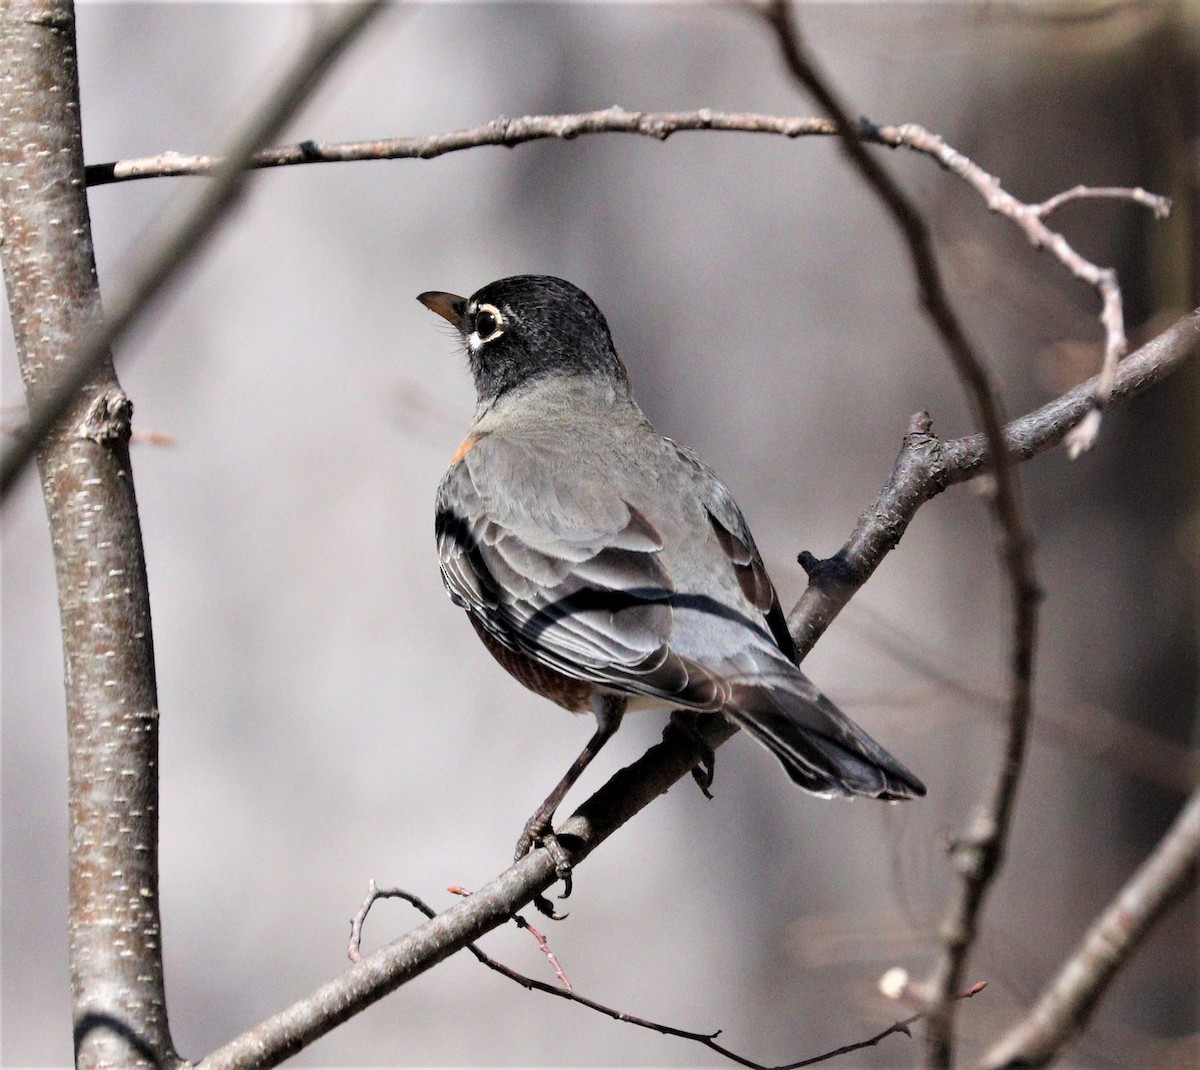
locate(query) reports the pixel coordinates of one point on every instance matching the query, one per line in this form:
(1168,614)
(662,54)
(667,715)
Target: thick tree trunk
(112,715)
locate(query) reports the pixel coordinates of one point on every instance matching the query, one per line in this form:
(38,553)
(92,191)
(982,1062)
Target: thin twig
(1031,219)
(542,943)
(708,1040)
(661,125)
(1067,1003)
(1159,205)
(189,233)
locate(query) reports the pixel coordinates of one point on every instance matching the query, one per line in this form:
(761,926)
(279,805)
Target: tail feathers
(822,750)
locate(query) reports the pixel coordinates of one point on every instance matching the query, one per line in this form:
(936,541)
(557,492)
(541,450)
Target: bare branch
(926,466)
(509,133)
(1067,1004)
(708,1040)
(661,125)
(504,132)
(980,852)
(183,239)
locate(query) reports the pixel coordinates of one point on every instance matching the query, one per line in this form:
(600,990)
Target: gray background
(327,714)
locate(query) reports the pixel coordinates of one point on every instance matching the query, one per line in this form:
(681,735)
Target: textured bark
(112,714)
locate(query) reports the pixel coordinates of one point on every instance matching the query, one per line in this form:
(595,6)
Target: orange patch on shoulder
(468,444)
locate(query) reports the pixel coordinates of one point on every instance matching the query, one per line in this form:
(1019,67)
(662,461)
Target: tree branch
(661,125)
(183,238)
(707,1040)
(1066,1005)
(635,787)
(980,851)
(114,930)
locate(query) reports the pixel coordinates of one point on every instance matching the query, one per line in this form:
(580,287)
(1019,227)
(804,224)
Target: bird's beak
(450,307)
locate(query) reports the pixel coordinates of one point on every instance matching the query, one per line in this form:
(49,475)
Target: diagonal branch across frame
(631,789)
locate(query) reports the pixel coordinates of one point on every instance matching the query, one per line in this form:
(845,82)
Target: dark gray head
(528,326)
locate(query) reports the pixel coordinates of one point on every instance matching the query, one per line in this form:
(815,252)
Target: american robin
(605,566)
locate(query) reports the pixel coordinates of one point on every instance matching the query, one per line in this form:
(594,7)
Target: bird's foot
(538,833)
(683,722)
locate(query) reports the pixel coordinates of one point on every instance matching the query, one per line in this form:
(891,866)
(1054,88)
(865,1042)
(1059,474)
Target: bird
(605,566)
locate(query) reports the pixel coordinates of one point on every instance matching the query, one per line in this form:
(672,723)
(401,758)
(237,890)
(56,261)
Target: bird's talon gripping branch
(538,834)
(562,863)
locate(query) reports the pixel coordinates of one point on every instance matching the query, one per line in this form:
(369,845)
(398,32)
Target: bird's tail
(820,747)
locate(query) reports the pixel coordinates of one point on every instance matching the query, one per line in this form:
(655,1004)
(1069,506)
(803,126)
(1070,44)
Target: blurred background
(328,716)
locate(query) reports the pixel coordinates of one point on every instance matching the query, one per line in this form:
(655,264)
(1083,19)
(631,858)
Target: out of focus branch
(924,468)
(980,851)
(1067,1004)
(181,241)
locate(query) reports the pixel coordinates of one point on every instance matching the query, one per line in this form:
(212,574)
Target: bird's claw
(537,834)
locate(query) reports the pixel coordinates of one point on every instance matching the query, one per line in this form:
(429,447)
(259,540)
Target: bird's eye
(488,322)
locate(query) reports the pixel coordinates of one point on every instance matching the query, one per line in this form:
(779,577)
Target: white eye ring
(496,328)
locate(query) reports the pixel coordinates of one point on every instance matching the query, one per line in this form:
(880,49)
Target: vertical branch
(79,427)
(980,851)
(119,1007)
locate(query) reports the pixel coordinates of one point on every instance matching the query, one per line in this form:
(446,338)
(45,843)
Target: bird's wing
(563,570)
(737,544)
(820,747)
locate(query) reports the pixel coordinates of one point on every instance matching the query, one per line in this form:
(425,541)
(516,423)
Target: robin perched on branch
(605,566)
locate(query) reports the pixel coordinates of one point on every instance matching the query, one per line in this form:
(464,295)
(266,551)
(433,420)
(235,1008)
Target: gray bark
(112,709)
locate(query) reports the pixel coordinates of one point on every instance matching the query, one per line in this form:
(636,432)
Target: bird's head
(526,327)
